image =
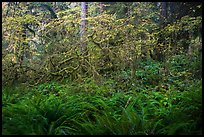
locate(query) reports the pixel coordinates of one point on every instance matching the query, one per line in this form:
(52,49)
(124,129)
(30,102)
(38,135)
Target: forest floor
(152,103)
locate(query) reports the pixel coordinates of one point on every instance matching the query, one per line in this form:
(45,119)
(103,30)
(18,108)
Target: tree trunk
(83,48)
(172,17)
(163,13)
(84,12)
(101,7)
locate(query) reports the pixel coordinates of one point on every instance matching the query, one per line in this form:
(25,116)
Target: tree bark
(84,12)
(101,7)
(163,12)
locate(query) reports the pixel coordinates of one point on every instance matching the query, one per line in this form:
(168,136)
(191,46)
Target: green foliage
(147,112)
(14,94)
(149,72)
(136,78)
(179,62)
(49,88)
(185,110)
(92,87)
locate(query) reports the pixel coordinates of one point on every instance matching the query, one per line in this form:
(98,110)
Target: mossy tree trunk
(84,13)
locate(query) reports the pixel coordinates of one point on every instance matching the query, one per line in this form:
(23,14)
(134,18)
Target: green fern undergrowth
(119,105)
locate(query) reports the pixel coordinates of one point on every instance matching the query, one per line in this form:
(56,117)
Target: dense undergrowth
(152,103)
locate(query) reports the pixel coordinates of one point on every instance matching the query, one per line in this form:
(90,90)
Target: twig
(128,102)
